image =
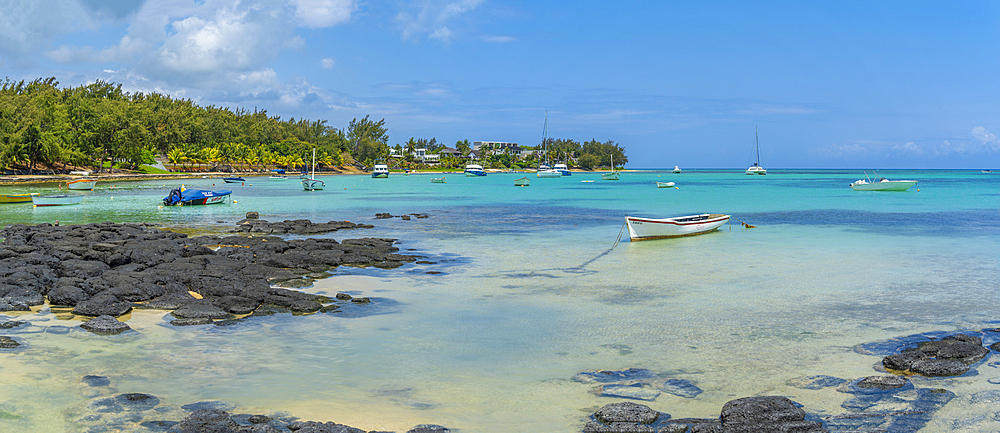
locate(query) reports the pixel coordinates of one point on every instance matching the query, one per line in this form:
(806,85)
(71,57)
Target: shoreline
(30,179)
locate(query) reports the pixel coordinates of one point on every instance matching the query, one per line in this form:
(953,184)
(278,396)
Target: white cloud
(328,63)
(28,26)
(499,39)
(323,13)
(988,139)
(433,18)
(908,148)
(443,34)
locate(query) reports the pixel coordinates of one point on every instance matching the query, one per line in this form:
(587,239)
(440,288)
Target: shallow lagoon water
(526,298)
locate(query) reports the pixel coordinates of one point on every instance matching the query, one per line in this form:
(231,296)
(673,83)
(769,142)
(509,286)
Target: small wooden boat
(56,199)
(189,197)
(664,184)
(81,184)
(524,181)
(17,198)
(437,180)
(882,184)
(640,229)
(233,180)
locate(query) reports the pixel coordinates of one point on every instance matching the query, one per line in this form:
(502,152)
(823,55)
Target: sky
(845,84)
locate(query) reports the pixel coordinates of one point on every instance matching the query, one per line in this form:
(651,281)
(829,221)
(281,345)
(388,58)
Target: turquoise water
(523,298)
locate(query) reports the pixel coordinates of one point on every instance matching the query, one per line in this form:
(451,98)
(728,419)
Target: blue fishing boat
(474,170)
(188,197)
(234,179)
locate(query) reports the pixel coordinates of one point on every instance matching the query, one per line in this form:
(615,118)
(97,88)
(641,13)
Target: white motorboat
(562,168)
(640,229)
(381,171)
(56,199)
(677,169)
(474,170)
(664,184)
(881,184)
(81,184)
(756,168)
(548,173)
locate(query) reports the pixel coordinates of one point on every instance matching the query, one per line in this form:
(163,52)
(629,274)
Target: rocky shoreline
(105,270)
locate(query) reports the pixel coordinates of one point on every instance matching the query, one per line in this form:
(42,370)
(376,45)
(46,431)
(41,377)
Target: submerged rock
(8,343)
(105,325)
(95,381)
(950,356)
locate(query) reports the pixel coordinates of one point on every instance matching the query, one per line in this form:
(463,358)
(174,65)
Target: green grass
(148,169)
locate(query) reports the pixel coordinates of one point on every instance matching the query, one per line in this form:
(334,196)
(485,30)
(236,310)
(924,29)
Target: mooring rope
(588,262)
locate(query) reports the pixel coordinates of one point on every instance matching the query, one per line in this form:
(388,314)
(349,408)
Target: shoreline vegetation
(102,128)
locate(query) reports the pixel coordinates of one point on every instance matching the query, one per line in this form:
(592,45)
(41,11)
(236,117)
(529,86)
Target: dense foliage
(98,125)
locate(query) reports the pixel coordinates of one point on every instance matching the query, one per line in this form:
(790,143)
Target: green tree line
(588,155)
(99,125)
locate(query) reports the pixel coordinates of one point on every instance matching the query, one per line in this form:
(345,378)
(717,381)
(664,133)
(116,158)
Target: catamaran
(756,168)
(544,170)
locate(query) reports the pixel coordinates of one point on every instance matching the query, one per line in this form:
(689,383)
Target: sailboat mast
(756,144)
(545,133)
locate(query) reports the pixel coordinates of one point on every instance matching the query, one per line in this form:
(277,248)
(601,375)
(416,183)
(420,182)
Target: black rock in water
(8,343)
(92,380)
(765,415)
(105,325)
(950,356)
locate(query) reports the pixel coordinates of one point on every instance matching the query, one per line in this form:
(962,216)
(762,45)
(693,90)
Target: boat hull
(81,184)
(17,198)
(548,173)
(664,184)
(641,229)
(609,176)
(889,185)
(756,170)
(437,180)
(524,181)
(233,180)
(312,184)
(57,200)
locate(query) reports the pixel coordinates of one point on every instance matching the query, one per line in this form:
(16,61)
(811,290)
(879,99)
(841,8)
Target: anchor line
(588,262)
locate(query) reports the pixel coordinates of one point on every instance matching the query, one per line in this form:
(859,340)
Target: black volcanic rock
(105,325)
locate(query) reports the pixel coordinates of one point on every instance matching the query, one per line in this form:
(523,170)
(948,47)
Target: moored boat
(882,184)
(81,184)
(562,168)
(664,184)
(190,197)
(677,169)
(548,173)
(310,183)
(613,175)
(56,199)
(437,180)
(233,180)
(640,229)
(474,170)
(756,168)
(524,181)
(17,198)
(381,171)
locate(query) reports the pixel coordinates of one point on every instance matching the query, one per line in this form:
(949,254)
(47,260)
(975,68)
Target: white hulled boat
(756,168)
(310,183)
(677,169)
(640,229)
(881,184)
(474,170)
(56,199)
(84,184)
(381,171)
(544,170)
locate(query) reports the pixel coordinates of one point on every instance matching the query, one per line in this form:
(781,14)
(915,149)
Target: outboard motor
(173,198)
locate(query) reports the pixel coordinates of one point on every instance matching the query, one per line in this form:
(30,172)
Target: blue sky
(829,84)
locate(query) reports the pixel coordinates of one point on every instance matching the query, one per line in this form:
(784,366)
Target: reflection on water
(488,331)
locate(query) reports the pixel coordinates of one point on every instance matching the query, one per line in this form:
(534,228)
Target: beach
(516,293)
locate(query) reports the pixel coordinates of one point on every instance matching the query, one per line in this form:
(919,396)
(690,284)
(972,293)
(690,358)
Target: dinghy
(640,229)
